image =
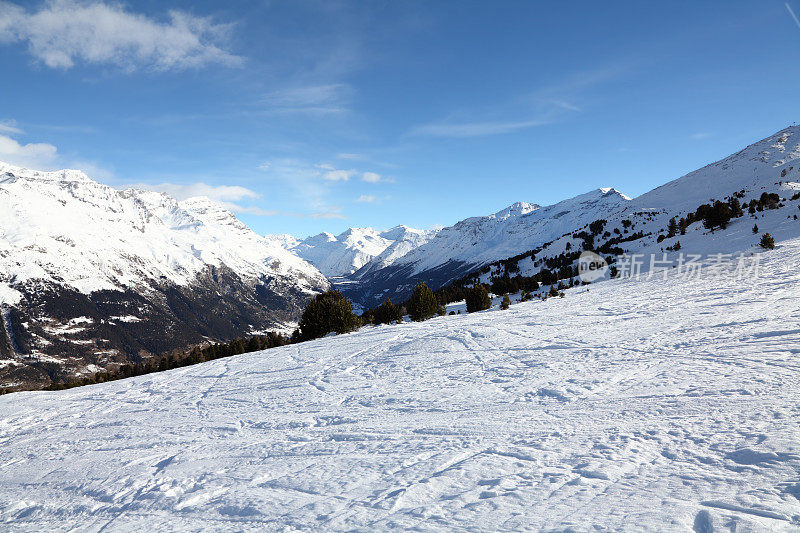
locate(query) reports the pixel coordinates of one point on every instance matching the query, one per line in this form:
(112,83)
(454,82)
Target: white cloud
(248,209)
(366,198)
(40,156)
(700,135)
(264,166)
(63,32)
(371,177)
(220,193)
(231,196)
(337,175)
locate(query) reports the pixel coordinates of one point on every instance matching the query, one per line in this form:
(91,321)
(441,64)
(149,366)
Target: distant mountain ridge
(459,249)
(346,253)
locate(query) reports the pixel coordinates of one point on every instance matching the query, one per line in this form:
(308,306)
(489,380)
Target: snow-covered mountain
(402,241)
(119,263)
(473,242)
(344,254)
(770,165)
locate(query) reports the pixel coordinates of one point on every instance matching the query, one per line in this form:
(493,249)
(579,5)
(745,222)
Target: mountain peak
(64,175)
(609,192)
(516,209)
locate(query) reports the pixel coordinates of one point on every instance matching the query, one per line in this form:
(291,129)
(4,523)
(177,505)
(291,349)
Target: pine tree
(423,304)
(672,229)
(755,228)
(506,303)
(735,207)
(767,242)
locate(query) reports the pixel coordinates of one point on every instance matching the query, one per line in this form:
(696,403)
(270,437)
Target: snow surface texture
(65,228)
(637,405)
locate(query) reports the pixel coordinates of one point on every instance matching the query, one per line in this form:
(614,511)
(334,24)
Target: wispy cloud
(9,126)
(474,129)
(366,198)
(700,135)
(64,32)
(545,105)
(310,183)
(791,12)
(337,175)
(350,156)
(230,197)
(371,177)
(325,214)
(310,99)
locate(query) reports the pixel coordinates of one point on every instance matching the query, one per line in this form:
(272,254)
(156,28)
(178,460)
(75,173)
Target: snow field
(640,405)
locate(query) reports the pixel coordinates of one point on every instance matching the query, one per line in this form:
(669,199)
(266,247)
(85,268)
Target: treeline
(178,359)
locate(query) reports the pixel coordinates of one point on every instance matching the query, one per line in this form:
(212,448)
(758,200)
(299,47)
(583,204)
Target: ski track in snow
(638,405)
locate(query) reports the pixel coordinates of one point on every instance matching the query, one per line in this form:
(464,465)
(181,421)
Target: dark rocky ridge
(55,332)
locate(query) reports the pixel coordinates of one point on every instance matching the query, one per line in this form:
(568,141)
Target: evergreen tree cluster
(477,299)
(329,312)
(387,313)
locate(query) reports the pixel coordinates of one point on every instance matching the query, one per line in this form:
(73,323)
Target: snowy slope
(644,405)
(754,168)
(346,253)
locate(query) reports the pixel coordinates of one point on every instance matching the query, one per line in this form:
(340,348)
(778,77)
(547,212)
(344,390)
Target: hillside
(90,275)
(640,404)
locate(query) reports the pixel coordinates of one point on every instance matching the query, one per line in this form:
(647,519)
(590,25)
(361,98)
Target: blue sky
(305,116)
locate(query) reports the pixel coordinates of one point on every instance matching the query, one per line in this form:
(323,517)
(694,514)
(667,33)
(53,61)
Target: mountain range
(91,276)
(474,243)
